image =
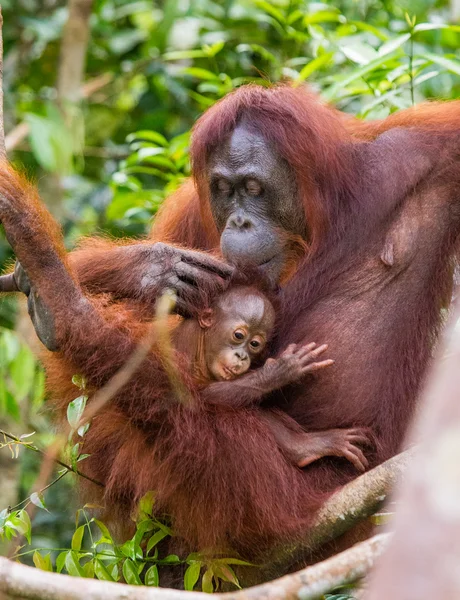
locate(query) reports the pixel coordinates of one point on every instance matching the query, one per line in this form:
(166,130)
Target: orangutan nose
(240,221)
(241,355)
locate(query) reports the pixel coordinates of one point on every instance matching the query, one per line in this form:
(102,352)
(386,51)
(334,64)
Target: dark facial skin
(253,197)
(236,332)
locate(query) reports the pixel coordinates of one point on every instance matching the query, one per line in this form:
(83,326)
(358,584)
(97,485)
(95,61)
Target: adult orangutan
(361,230)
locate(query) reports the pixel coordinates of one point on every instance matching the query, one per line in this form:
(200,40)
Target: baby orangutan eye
(238,335)
(256,344)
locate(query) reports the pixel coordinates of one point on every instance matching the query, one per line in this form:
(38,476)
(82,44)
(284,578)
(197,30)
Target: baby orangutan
(225,341)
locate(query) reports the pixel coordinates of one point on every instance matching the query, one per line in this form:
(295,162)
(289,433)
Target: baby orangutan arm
(300,447)
(249,390)
(304,447)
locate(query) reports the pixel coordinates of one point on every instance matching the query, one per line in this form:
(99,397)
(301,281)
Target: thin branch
(26,501)
(20,581)
(43,453)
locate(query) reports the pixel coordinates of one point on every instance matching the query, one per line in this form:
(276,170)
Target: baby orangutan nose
(242,362)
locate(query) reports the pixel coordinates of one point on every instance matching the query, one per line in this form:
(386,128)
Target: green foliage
(21,379)
(93,553)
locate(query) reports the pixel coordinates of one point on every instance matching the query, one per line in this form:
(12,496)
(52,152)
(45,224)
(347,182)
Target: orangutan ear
(206,318)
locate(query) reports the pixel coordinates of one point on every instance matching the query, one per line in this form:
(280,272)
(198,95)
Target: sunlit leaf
(101,571)
(72,565)
(38,499)
(75,410)
(42,562)
(77,538)
(151,576)
(191,576)
(130,573)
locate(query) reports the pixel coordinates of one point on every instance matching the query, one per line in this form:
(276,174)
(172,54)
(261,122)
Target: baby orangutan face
(237,330)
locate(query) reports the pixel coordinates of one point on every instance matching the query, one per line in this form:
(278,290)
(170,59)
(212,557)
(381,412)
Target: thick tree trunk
(422,562)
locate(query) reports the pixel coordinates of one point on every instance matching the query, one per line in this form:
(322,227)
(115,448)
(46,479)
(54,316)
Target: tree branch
(73,50)
(43,453)
(20,581)
(350,505)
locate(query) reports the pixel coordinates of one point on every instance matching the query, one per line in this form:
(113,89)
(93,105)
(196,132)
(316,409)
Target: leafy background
(106,164)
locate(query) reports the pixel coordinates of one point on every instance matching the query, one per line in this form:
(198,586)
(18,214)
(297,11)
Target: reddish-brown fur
(219,473)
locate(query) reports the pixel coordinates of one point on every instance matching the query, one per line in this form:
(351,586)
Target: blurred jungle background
(99,99)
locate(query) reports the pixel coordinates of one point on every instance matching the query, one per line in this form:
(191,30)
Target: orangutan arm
(97,343)
(391,166)
(249,390)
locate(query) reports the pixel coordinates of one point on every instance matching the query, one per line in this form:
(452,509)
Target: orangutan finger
(289,350)
(208,262)
(316,366)
(357,458)
(197,277)
(8,283)
(306,349)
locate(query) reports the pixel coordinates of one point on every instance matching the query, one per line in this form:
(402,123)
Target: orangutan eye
(238,335)
(253,187)
(256,344)
(224,186)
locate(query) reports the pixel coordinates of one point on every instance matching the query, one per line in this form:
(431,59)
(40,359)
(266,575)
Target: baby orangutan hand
(295,362)
(305,448)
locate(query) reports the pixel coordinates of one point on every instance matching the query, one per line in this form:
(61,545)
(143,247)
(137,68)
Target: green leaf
(333,90)
(151,136)
(226,573)
(191,576)
(77,538)
(130,573)
(42,562)
(235,561)
(156,537)
(202,74)
(3,517)
(142,528)
(75,410)
(79,381)
(131,550)
(206,583)
(393,44)
(38,499)
(72,565)
(171,559)
(106,536)
(450,65)
(152,577)
(88,569)
(83,429)
(60,560)
(313,66)
(101,571)
(12,407)
(271,10)
(20,521)
(146,505)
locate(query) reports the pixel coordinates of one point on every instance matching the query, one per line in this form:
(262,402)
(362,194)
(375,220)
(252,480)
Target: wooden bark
(20,581)
(423,559)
